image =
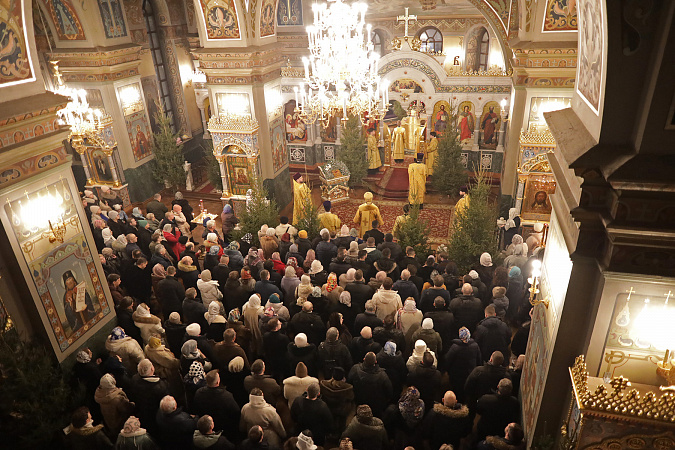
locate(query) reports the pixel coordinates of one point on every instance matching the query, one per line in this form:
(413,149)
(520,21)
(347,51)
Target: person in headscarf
(190,353)
(115,406)
(171,234)
(208,287)
(277,264)
(516,293)
(247,280)
(515,240)
(149,324)
(158,274)
(119,246)
(126,347)
(390,359)
(409,318)
(278,308)
(167,366)
(269,243)
(411,407)
(216,320)
(462,357)
(486,269)
(211,259)
(133,437)
(347,277)
(292,262)
(303,290)
(332,290)
(289,283)
(229,221)
(415,360)
(195,379)
(518,258)
(251,313)
(512,226)
(310,257)
(108,238)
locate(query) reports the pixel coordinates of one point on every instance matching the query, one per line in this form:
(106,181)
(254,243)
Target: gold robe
(461,204)
(398,139)
(301,194)
(432,150)
(417,180)
(417,136)
(365,215)
(400,220)
(330,221)
(374,161)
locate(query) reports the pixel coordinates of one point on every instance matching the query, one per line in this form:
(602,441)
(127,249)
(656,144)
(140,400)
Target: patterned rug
(437,216)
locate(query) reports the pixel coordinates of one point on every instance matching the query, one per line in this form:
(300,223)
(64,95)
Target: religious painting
(239,173)
(15,64)
(296,130)
(537,199)
(279,153)
(561,15)
(98,162)
(70,290)
(152,103)
(591,44)
(232,103)
(267,18)
(113,18)
(140,136)
(289,12)
(406,85)
(329,133)
(221,19)
(466,122)
(490,124)
(440,120)
(66,21)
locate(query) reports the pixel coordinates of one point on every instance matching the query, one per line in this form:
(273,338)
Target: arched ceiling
(435,8)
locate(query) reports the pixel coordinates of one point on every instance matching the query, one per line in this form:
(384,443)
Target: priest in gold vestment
(398,142)
(432,151)
(374,161)
(463,201)
(366,213)
(301,194)
(417,180)
(329,220)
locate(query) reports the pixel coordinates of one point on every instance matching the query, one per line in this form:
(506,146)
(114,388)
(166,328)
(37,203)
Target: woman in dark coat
(391,361)
(460,360)
(229,222)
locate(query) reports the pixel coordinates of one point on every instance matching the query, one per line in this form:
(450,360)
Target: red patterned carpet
(438,216)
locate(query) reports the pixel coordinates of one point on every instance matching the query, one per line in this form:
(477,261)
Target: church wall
(280,188)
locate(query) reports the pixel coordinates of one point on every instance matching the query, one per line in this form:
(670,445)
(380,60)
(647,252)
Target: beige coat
(115,407)
(128,350)
(259,412)
(149,326)
(386,302)
(295,386)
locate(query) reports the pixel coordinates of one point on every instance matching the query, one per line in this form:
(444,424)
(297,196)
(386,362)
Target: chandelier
(341,71)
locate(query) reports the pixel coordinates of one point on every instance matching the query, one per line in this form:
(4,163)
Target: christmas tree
(212,166)
(474,227)
(449,172)
(353,152)
(168,151)
(260,210)
(310,220)
(414,232)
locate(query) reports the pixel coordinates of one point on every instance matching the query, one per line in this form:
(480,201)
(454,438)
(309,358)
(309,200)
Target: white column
(113,169)
(502,131)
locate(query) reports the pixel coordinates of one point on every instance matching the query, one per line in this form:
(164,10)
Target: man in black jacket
(396,251)
(275,344)
(325,250)
(214,400)
(333,353)
(493,335)
(447,422)
(194,309)
(484,379)
(265,287)
(428,296)
(496,411)
(309,323)
(125,321)
(176,427)
(367,319)
(309,412)
(138,282)
(375,233)
(371,384)
(170,293)
(467,309)
(444,322)
(360,292)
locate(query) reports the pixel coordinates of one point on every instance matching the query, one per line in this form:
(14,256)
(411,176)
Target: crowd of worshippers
(335,342)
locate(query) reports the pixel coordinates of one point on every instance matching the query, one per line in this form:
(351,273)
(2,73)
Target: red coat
(279,267)
(172,241)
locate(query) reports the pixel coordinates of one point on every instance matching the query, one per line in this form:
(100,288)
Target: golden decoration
(537,163)
(230,122)
(492,71)
(534,137)
(416,44)
(396,44)
(292,72)
(649,405)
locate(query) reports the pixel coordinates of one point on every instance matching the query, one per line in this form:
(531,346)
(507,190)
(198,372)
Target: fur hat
(193,329)
(154,342)
(364,414)
(498,291)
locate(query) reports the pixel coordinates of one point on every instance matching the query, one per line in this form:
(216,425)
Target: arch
(378,40)
(67,24)
(267,23)
(477,49)
(432,40)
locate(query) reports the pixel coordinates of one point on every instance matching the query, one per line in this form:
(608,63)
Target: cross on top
(619,384)
(631,292)
(406,18)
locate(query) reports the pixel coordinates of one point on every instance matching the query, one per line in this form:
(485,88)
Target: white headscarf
(254,303)
(214,311)
(513,212)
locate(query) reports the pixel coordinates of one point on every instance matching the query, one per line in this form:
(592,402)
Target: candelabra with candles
(341,72)
(534,284)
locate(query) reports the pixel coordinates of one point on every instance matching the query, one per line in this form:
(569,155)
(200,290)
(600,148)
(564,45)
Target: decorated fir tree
(414,232)
(474,227)
(449,172)
(168,150)
(353,152)
(310,220)
(260,210)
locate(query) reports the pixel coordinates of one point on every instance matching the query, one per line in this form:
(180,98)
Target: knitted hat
(354,233)
(464,334)
(514,272)
(301,370)
(193,329)
(113,215)
(338,373)
(174,318)
(274,298)
(302,234)
(364,414)
(236,365)
(154,342)
(300,340)
(245,274)
(486,260)
(344,231)
(428,324)
(498,291)
(390,348)
(353,248)
(316,267)
(473,274)
(286,237)
(206,275)
(349,276)
(107,382)
(293,248)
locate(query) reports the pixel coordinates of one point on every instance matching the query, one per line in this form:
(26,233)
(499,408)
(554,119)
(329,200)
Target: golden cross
(631,292)
(406,18)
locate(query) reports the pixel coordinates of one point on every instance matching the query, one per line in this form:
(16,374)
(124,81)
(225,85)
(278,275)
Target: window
(432,40)
(158,60)
(378,42)
(484,50)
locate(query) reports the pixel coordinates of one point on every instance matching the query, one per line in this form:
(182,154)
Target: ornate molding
(632,404)
(537,138)
(292,72)
(536,164)
(231,123)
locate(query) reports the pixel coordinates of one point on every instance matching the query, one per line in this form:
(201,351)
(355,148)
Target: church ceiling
(421,8)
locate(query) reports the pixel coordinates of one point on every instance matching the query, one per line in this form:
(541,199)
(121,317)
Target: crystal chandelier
(341,72)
